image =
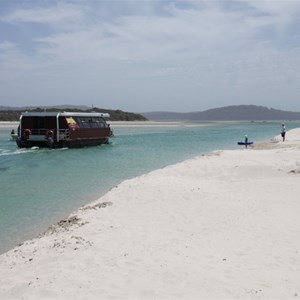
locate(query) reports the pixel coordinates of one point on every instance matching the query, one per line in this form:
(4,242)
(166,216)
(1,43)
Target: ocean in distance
(40,187)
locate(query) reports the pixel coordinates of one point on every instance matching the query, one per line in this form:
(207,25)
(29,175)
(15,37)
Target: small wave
(5,152)
(17,152)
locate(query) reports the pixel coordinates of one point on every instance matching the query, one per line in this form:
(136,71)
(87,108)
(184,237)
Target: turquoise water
(40,187)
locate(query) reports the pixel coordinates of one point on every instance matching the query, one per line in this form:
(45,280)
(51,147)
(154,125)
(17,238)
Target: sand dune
(223,225)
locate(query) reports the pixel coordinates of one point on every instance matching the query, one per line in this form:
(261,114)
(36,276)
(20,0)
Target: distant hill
(13,114)
(228,113)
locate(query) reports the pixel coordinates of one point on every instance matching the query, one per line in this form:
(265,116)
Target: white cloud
(276,7)
(50,15)
(6,46)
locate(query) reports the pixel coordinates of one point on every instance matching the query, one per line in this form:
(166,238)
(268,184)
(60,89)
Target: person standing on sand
(283,131)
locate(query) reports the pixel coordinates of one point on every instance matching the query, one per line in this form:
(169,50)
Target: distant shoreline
(164,123)
(116,124)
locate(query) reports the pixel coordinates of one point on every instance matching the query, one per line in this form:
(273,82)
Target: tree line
(115,115)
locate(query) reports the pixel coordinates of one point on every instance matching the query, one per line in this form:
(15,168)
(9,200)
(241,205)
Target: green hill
(13,114)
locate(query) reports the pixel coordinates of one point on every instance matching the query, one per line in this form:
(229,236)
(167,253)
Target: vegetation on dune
(9,115)
(115,115)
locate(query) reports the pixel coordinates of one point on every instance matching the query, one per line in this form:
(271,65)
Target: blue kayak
(243,143)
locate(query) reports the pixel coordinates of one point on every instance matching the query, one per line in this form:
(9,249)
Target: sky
(150,55)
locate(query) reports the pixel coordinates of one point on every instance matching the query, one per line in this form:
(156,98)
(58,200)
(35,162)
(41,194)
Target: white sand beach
(224,225)
(9,124)
(170,124)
